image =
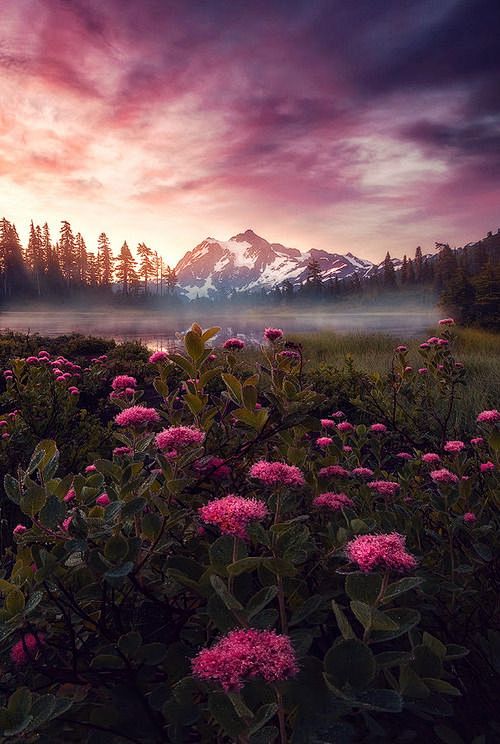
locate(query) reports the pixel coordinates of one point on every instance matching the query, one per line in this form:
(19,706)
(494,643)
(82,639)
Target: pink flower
(324,441)
(384,488)
(73,390)
(103,500)
(423,371)
(158,356)
(425,345)
(277,473)
(213,467)
(178,437)
(136,416)
(408,369)
(431,457)
(122,452)
(443,342)
(490,417)
(362,472)
(432,340)
(386,551)
(26,649)
(70,495)
(404,456)
(4,423)
(233,344)
(333,501)
(447,322)
(401,348)
(90,469)
(232,514)
(454,446)
(470,517)
(345,427)
(5,435)
(19,529)
(477,441)
(378,428)
(486,467)
(346,448)
(443,476)
(31,360)
(44,353)
(289,354)
(66,523)
(123,381)
(338,414)
(273,334)
(246,654)
(327,423)
(333,471)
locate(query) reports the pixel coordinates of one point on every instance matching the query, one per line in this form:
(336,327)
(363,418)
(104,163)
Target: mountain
(249,262)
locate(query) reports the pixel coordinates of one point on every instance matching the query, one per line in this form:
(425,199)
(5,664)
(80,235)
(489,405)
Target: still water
(158,329)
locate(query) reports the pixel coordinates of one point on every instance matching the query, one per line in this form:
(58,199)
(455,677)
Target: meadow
(295,542)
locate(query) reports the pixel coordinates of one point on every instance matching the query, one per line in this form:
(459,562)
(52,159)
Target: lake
(158,329)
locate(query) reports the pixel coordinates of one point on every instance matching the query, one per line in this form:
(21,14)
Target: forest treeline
(465,280)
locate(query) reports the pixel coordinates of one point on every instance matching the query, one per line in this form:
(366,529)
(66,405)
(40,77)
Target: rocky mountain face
(249,262)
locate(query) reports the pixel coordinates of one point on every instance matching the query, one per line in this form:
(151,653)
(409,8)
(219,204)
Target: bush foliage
(119,579)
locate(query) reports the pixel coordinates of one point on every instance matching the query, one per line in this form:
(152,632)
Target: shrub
(203,583)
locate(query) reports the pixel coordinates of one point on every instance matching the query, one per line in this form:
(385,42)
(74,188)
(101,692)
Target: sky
(363,126)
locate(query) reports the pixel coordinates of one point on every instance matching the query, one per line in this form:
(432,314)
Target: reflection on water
(158,329)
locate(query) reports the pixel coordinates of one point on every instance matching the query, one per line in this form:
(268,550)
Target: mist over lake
(157,329)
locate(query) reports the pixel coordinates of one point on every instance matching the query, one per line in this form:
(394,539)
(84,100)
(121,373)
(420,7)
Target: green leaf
(194,345)
(263,715)
(115,576)
(411,685)
(342,621)
(388,701)
(279,566)
(130,643)
(245,565)
(401,586)
(133,507)
(234,387)
(405,618)
(453,651)
(389,659)
(436,646)
(12,488)
(210,333)
(14,602)
(260,600)
(33,499)
(426,663)
(229,600)
(350,662)
(311,605)
(221,708)
(116,548)
(363,587)
(442,687)
(107,661)
(53,513)
(152,654)
(19,705)
(183,363)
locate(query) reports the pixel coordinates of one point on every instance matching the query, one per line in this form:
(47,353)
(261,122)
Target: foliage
(114,583)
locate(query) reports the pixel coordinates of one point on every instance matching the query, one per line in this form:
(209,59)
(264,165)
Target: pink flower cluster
(122,452)
(487,467)
(344,427)
(327,423)
(179,437)
(378,428)
(232,514)
(213,467)
(362,472)
(469,517)
(431,458)
(121,382)
(26,648)
(489,417)
(454,446)
(446,322)
(333,501)
(246,654)
(444,476)
(137,416)
(273,334)
(233,344)
(386,551)
(277,473)
(158,356)
(333,471)
(324,442)
(384,488)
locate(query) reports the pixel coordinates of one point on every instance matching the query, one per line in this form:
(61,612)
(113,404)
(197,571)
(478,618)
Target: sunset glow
(364,129)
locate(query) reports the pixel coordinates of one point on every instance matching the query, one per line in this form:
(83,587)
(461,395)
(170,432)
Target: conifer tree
(105,261)
(125,269)
(146,265)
